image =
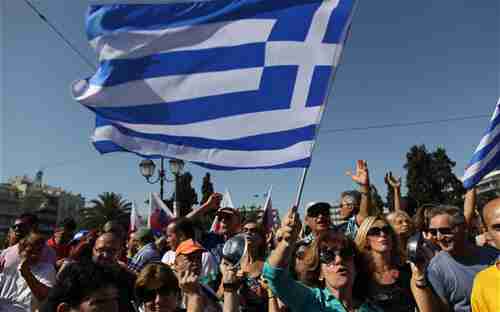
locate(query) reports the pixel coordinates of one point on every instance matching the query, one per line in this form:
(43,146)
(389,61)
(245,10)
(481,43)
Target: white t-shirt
(15,295)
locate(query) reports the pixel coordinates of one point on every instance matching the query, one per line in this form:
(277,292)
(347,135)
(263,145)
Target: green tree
(207,189)
(430,178)
(389,197)
(376,200)
(106,207)
(187,194)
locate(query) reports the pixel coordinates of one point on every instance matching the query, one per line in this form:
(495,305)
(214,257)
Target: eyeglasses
(148,295)
(442,231)
(328,255)
(377,231)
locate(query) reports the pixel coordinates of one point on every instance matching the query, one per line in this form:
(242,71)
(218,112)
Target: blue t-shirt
(452,278)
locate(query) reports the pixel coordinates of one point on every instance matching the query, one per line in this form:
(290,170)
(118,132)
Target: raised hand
(214,200)
(361,176)
(392,181)
(188,282)
(290,227)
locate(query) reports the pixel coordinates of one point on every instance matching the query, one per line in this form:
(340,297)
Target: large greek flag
(227,84)
(486,158)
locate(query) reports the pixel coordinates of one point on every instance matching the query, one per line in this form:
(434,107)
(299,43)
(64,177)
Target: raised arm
(276,273)
(469,206)
(362,178)
(211,204)
(395,184)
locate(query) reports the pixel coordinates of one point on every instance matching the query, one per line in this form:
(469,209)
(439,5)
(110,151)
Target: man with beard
(451,272)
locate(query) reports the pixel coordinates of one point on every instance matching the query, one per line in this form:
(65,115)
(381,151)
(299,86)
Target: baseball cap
(188,247)
(313,208)
(228,210)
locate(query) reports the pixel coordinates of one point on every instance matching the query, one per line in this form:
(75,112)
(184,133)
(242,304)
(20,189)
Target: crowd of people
(347,258)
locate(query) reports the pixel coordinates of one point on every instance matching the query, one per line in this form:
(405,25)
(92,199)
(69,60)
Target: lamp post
(147,168)
(176,167)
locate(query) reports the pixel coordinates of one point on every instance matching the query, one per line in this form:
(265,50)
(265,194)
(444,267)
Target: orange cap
(188,247)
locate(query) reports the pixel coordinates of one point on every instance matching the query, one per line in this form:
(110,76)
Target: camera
(420,250)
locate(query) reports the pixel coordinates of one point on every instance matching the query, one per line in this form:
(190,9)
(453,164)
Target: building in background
(24,194)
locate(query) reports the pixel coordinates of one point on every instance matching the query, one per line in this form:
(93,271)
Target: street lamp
(176,167)
(147,167)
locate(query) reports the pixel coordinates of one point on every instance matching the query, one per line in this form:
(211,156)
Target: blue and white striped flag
(226,84)
(486,158)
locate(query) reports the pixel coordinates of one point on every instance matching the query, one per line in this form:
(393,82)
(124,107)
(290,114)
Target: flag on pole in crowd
(225,202)
(268,216)
(486,157)
(224,84)
(159,214)
(136,220)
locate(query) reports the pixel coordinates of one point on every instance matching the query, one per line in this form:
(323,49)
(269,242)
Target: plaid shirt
(144,256)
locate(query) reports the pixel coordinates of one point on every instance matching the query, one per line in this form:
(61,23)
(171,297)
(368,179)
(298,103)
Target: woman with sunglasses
(157,289)
(384,279)
(337,257)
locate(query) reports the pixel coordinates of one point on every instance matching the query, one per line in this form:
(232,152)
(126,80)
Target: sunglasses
(443,231)
(148,295)
(496,227)
(328,255)
(377,231)
(313,213)
(20,226)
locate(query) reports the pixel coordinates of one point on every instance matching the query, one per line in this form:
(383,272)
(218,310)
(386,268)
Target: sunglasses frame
(328,255)
(386,229)
(439,230)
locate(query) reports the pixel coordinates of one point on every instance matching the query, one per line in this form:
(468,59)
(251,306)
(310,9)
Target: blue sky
(406,61)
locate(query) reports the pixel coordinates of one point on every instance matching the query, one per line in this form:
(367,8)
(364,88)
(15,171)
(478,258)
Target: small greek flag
(486,158)
(227,84)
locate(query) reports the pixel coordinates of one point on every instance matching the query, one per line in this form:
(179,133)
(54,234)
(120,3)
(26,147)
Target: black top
(396,297)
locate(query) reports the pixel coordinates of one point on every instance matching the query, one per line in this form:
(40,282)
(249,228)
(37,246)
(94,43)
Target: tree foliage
(187,194)
(376,200)
(430,178)
(106,207)
(207,189)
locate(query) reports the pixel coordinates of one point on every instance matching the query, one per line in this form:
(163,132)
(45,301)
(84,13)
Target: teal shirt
(299,297)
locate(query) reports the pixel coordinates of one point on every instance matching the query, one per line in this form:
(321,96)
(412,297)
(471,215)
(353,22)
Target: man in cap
(188,257)
(147,251)
(486,288)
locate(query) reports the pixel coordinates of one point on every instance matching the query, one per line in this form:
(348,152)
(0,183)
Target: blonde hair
(391,216)
(361,239)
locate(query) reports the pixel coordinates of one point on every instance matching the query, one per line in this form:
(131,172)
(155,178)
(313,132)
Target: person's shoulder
(489,252)
(486,274)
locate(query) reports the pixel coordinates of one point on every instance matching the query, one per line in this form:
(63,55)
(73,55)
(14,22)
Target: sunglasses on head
(376,231)
(443,231)
(328,255)
(147,295)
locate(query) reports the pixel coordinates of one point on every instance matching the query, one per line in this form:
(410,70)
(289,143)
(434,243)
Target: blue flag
(486,158)
(226,84)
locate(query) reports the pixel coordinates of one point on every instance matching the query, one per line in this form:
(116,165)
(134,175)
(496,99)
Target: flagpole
(336,59)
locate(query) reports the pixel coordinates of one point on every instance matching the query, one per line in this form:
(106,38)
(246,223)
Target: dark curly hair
(78,281)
